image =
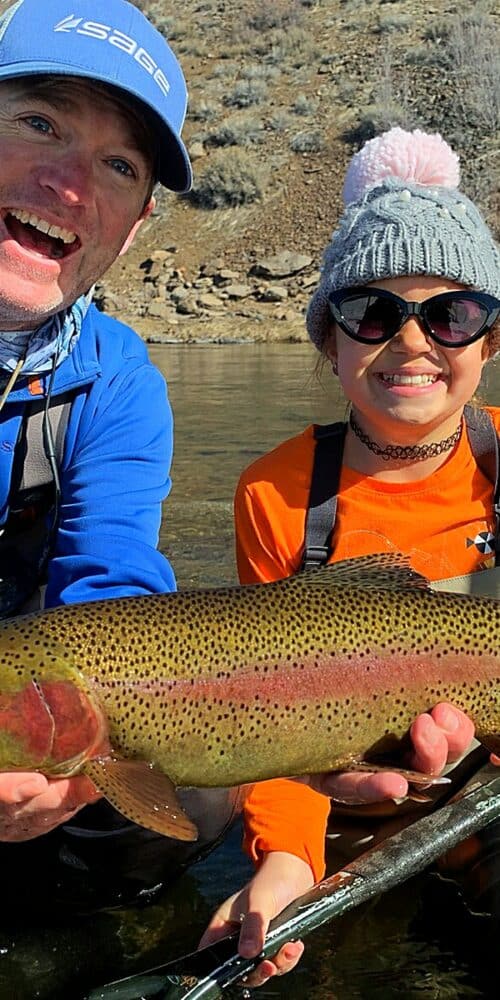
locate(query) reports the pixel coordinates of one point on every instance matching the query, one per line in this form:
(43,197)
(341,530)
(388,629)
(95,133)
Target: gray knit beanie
(404,216)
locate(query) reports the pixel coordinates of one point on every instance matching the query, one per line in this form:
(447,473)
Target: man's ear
(148,208)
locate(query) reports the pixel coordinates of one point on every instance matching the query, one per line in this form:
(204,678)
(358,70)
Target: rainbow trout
(233,685)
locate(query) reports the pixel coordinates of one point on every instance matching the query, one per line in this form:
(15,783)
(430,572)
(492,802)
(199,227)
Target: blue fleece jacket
(115,467)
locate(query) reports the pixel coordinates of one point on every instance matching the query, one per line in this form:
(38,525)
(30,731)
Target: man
(92,106)
(91,113)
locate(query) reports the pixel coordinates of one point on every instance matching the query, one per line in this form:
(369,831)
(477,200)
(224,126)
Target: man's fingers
(50,803)
(63,794)
(17,787)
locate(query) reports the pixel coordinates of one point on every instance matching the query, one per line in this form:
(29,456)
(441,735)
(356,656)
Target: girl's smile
(408,382)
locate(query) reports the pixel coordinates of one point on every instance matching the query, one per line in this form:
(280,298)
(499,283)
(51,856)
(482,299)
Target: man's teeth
(28,218)
(410,379)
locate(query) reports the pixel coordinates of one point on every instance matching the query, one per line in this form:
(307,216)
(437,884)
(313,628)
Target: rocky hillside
(281,95)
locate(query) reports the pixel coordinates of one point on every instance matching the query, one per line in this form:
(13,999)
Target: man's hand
(438,738)
(280,879)
(31,804)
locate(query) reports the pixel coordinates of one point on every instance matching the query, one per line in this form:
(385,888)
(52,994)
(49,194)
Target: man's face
(74,178)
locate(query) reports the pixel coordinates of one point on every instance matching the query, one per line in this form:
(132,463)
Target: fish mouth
(39,235)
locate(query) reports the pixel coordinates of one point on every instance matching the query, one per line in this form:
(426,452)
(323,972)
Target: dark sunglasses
(452,319)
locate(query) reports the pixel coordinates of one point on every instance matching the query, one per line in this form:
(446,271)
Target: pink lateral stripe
(346,676)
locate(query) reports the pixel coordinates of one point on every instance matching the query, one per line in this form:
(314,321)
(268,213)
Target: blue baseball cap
(112,43)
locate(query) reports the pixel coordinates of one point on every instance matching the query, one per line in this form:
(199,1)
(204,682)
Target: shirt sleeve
(258,556)
(283,815)
(113,483)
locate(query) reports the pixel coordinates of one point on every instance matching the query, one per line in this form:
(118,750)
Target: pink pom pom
(411,156)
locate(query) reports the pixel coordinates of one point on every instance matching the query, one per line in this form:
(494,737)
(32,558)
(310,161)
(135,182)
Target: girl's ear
(491,343)
(330,348)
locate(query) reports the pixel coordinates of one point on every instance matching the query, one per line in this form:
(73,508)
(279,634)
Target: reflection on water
(231,403)
(419,941)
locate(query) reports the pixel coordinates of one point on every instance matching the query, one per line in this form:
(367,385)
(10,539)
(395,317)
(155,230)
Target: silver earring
(335,369)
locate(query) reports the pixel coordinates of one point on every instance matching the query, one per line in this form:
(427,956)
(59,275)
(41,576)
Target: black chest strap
(40,442)
(327,466)
(322,510)
(27,536)
(485,447)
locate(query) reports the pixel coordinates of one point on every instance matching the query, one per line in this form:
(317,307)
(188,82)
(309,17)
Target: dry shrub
(246,93)
(231,178)
(473,56)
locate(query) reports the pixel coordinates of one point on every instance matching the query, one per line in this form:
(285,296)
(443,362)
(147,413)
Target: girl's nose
(412,337)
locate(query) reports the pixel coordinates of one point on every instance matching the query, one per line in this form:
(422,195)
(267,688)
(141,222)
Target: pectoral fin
(412,777)
(143,794)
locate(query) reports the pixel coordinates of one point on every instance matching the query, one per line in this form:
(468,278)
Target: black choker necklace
(416,452)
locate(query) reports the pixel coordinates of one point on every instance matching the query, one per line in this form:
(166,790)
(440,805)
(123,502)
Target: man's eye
(122,166)
(39,123)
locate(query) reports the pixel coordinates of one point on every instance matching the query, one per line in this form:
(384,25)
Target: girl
(406,313)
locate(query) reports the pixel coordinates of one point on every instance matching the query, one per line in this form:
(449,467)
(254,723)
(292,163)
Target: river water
(419,941)
(231,403)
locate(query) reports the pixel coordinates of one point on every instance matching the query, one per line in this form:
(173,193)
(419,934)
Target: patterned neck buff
(56,337)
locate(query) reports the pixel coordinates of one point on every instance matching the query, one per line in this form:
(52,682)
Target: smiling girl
(406,313)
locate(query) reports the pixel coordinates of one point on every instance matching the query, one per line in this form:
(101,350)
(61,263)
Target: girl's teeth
(29,218)
(410,379)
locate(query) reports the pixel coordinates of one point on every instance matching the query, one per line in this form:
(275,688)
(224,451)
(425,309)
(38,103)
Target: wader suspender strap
(34,468)
(28,535)
(485,447)
(320,517)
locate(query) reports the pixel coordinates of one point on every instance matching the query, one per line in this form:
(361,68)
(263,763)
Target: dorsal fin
(381,571)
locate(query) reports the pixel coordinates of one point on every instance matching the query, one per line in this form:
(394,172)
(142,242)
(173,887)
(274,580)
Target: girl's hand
(31,804)
(280,879)
(438,738)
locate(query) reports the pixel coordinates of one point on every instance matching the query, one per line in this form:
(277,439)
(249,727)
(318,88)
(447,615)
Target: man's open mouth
(37,234)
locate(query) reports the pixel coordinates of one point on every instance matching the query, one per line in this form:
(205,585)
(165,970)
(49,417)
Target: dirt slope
(281,95)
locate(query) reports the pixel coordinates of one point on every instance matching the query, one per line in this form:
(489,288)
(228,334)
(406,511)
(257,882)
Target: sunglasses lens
(371,317)
(456,320)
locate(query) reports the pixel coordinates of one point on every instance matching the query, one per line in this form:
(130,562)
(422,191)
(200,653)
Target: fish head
(50,719)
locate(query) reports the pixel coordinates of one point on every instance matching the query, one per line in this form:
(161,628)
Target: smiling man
(92,103)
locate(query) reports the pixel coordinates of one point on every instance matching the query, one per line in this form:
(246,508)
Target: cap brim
(173,165)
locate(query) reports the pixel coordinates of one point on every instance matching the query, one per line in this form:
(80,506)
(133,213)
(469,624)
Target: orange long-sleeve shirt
(442,523)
